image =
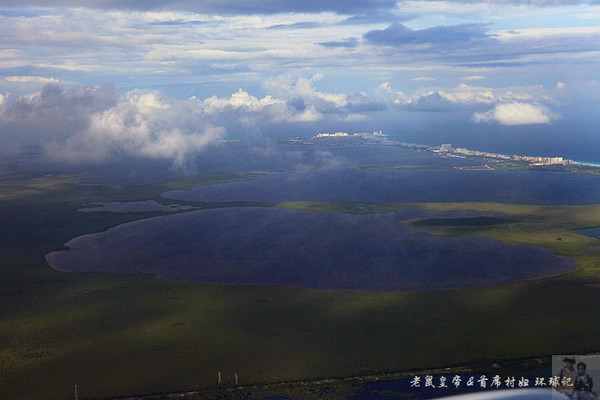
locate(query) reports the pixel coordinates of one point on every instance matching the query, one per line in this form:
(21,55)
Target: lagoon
(270,246)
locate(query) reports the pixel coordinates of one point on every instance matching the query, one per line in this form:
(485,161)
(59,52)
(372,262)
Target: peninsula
(494,160)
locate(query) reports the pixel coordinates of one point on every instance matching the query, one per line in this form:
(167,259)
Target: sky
(92,81)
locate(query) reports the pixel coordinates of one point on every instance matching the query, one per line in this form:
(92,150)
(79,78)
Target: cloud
(142,124)
(423,79)
(231,7)
(3,99)
(87,124)
(398,34)
(29,79)
(296,25)
(247,110)
(475,46)
(397,97)
(516,114)
(376,16)
(497,8)
(348,43)
(314,104)
(509,106)
(56,112)
(466,96)
(288,101)
(238,100)
(91,124)
(169,46)
(360,102)
(432,101)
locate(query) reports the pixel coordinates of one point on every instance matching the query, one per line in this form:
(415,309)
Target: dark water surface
(268,246)
(413,185)
(592,232)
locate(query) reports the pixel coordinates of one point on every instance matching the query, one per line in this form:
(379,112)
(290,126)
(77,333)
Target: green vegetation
(460,222)
(116,335)
(347,207)
(523,165)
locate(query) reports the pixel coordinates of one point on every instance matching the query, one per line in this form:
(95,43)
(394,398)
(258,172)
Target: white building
(446,148)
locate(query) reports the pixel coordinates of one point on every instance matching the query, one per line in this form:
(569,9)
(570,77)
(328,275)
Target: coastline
(444,149)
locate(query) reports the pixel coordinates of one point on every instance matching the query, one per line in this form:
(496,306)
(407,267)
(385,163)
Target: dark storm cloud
(217,6)
(57,111)
(398,34)
(89,124)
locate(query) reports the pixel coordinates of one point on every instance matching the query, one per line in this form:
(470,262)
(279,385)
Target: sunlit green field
(116,335)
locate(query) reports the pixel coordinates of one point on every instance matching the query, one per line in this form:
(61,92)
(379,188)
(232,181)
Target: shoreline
(346,386)
(448,150)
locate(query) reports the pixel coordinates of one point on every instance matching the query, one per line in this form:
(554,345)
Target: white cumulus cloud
(238,100)
(516,114)
(397,97)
